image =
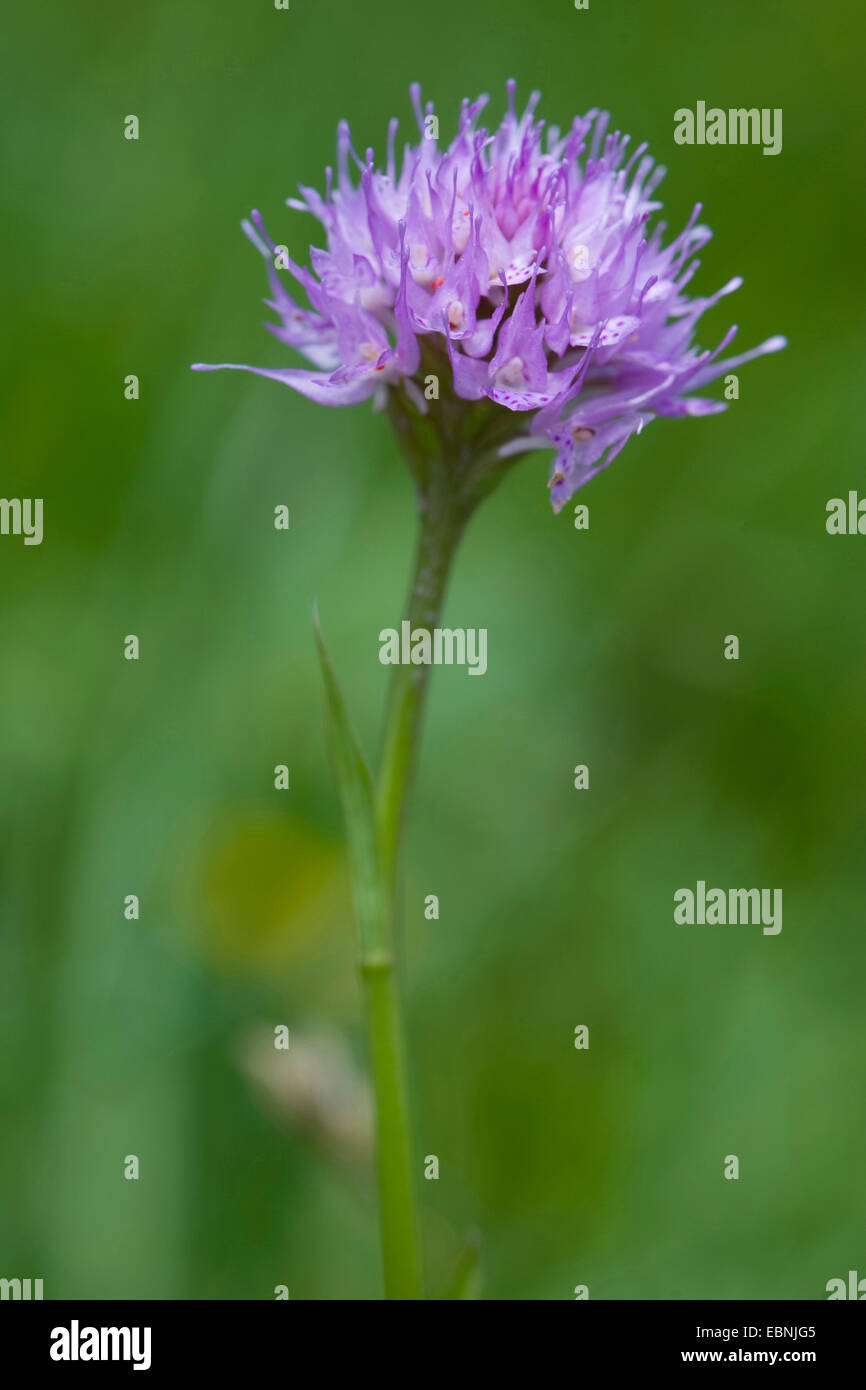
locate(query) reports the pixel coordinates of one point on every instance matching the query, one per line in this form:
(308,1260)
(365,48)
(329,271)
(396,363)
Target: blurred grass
(155,778)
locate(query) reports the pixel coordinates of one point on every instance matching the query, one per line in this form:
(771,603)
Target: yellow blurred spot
(268,888)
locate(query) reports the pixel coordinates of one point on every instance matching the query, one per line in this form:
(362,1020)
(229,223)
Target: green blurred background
(605,647)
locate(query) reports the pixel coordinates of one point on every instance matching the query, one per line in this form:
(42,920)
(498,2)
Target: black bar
(223,1338)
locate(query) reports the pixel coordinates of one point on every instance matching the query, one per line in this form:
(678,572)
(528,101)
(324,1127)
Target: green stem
(441,526)
(401,1252)
(454,468)
(453,456)
(442,523)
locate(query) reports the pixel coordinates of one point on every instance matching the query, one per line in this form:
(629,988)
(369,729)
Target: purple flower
(517,265)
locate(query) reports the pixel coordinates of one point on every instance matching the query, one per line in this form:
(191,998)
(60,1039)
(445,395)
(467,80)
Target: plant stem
(441,526)
(401,1255)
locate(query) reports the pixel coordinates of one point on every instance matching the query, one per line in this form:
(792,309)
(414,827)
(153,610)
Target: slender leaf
(465,1280)
(355,786)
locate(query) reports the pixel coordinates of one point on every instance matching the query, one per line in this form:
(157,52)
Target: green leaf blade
(355,787)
